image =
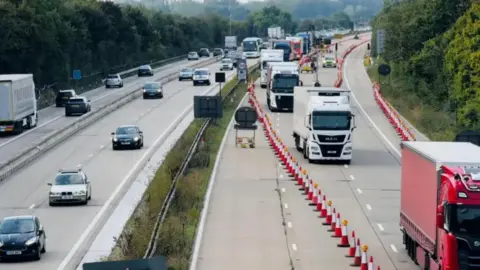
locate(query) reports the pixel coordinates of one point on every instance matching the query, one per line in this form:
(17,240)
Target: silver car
(186,74)
(193,56)
(70,186)
(114,80)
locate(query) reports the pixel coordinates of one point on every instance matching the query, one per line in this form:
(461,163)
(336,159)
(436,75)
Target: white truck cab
(268,56)
(282,78)
(323,123)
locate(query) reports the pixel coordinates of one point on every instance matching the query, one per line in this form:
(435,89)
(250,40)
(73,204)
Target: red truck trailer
(440,204)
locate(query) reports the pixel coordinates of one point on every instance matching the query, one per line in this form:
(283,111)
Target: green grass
(436,124)
(178,230)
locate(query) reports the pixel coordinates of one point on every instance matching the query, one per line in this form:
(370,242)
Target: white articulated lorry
(231,43)
(282,78)
(323,123)
(268,56)
(18,103)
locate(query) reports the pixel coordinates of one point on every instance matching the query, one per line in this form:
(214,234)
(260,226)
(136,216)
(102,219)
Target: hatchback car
(217,52)
(128,137)
(63,96)
(227,64)
(70,186)
(77,106)
(201,76)
(152,90)
(145,70)
(329,61)
(114,80)
(186,74)
(193,56)
(204,52)
(22,237)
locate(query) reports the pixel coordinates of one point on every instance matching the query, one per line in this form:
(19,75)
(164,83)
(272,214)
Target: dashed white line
(32,206)
(345,165)
(380,227)
(286,206)
(278,124)
(294,247)
(393,248)
(284,190)
(351,177)
(102,146)
(368,207)
(90,156)
(281,176)
(359,191)
(289,224)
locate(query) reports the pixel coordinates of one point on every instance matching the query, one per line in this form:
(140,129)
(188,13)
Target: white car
(70,186)
(193,56)
(114,80)
(201,76)
(227,64)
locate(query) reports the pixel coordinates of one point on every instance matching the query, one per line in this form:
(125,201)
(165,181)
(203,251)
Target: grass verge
(178,231)
(435,123)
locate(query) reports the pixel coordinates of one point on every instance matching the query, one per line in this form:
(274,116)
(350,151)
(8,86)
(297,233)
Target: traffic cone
(352,248)
(301,177)
(334,221)
(357,258)
(344,238)
(328,219)
(311,190)
(364,262)
(315,195)
(296,172)
(319,200)
(308,183)
(371,266)
(324,211)
(338,228)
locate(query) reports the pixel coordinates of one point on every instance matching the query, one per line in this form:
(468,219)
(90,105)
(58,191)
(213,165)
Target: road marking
(90,156)
(289,224)
(284,190)
(359,191)
(278,124)
(384,137)
(32,206)
(380,227)
(345,165)
(393,248)
(281,176)
(102,146)
(368,207)
(294,247)
(351,177)
(286,206)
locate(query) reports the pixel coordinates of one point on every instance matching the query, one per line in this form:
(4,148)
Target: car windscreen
(17,226)
(193,53)
(112,77)
(201,72)
(126,130)
(227,61)
(329,58)
(152,86)
(187,70)
(68,179)
(65,94)
(76,100)
(145,67)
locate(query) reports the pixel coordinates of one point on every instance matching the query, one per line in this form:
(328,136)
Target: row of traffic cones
(316,198)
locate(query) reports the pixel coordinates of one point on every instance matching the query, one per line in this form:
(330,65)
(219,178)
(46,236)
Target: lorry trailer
(440,204)
(268,56)
(18,103)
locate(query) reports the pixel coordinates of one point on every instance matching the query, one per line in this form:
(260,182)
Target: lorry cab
(286,46)
(268,56)
(282,78)
(323,123)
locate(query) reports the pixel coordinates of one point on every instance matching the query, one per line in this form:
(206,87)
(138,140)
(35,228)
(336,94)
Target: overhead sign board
(77,74)
(242,69)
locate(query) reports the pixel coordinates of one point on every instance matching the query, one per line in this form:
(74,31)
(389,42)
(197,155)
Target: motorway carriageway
(70,229)
(53,118)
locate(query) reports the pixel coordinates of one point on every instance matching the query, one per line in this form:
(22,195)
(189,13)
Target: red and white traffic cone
(330,216)
(324,210)
(334,221)
(357,258)
(308,186)
(371,266)
(352,248)
(364,263)
(301,177)
(338,227)
(311,190)
(296,171)
(316,191)
(344,235)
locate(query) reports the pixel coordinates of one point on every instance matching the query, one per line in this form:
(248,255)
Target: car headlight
(348,148)
(159,90)
(82,192)
(54,193)
(314,148)
(1,244)
(144,90)
(135,139)
(115,139)
(31,241)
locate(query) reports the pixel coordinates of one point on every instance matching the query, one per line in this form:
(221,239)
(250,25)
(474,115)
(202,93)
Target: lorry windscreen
(284,83)
(331,120)
(465,220)
(250,46)
(265,63)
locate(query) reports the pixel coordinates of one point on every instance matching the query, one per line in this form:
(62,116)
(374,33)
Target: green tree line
(433,48)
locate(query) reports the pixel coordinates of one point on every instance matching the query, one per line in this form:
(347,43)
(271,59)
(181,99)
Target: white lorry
(18,103)
(282,78)
(268,56)
(231,43)
(323,123)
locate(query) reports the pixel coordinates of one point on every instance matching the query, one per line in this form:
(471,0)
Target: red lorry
(440,204)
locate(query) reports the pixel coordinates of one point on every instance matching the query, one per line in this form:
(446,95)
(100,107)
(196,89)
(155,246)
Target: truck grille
(334,150)
(284,102)
(331,139)
(474,259)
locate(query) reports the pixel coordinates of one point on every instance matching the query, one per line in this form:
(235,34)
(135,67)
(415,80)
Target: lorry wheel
(305,150)
(297,144)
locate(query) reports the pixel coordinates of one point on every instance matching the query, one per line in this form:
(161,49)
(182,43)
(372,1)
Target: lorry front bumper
(282,102)
(330,151)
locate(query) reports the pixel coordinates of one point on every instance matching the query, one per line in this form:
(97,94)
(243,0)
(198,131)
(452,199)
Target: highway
(258,219)
(53,118)
(70,229)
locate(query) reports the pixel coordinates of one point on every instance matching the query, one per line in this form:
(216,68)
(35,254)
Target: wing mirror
(113,133)
(140,132)
(49,184)
(440,217)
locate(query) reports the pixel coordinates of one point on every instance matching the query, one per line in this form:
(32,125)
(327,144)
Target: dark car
(77,106)
(217,52)
(204,52)
(145,70)
(63,96)
(152,90)
(21,237)
(127,137)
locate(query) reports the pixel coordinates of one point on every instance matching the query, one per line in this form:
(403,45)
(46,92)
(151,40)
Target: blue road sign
(77,74)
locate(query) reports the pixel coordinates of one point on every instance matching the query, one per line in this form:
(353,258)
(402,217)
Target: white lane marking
(369,207)
(281,176)
(384,137)
(286,206)
(345,165)
(294,247)
(289,224)
(380,227)
(90,156)
(32,206)
(392,246)
(278,124)
(351,177)
(29,131)
(284,190)
(141,114)
(102,146)
(359,191)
